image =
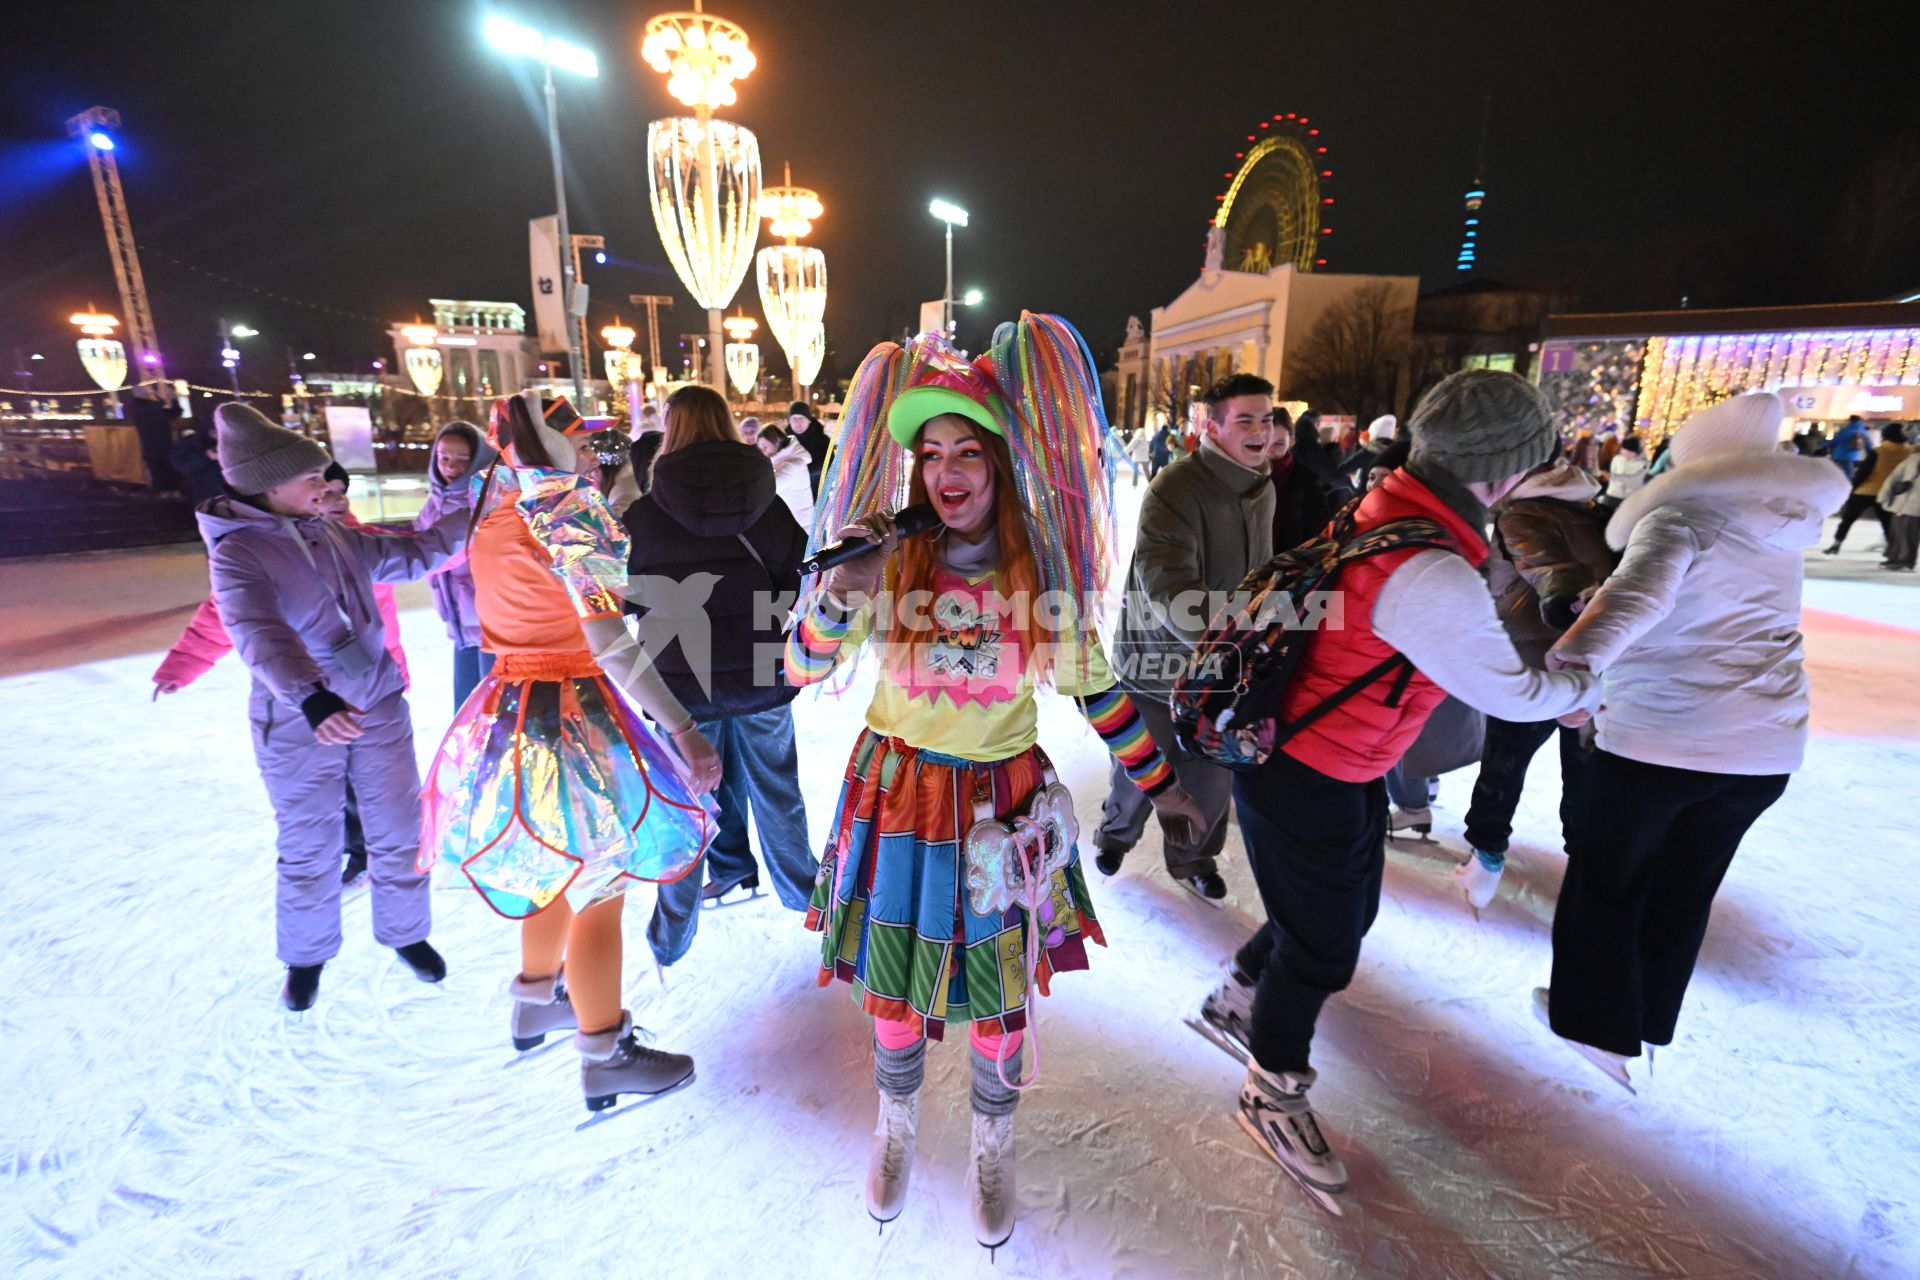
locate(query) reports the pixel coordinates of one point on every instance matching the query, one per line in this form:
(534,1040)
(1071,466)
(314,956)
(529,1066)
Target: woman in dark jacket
(1301,503)
(714,568)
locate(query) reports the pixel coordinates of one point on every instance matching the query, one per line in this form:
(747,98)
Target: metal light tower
(656,372)
(510,37)
(96,126)
(954,216)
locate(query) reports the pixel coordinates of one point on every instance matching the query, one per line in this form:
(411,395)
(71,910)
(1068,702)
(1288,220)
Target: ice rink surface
(164,1117)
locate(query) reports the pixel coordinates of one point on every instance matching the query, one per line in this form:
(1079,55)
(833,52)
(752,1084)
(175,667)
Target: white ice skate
(990,1182)
(1226,1014)
(1612,1065)
(1275,1113)
(890,1161)
(1402,821)
(538,1008)
(613,1063)
(1477,882)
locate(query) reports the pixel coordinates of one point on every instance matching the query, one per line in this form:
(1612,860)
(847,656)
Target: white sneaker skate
(1612,1065)
(1476,882)
(1418,821)
(890,1162)
(1227,1014)
(990,1183)
(1275,1113)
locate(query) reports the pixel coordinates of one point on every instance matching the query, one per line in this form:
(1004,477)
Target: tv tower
(1476,196)
(96,125)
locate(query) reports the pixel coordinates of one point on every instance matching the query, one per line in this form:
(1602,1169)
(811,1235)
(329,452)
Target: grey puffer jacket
(452,586)
(1697,633)
(284,612)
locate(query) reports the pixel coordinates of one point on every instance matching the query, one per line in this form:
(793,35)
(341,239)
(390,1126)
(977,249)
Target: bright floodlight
(101,141)
(948,212)
(245,331)
(509,36)
(974,298)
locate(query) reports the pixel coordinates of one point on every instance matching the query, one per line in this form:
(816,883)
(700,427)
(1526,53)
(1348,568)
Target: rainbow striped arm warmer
(815,643)
(1117,721)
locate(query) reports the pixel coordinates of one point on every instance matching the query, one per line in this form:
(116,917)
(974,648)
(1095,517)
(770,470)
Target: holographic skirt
(892,898)
(549,783)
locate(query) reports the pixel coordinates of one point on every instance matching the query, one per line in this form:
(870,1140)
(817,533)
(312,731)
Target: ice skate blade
(730,899)
(524,1043)
(607,1106)
(530,1055)
(1327,1200)
(1218,904)
(1598,1058)
(1219,1039)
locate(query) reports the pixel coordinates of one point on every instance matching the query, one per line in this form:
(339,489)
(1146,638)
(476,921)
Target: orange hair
(913,565)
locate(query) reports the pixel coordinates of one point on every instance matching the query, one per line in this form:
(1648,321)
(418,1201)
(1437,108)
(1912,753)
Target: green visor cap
(913,407)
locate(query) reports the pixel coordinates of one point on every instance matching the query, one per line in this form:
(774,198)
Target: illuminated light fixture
(704,180)
(420,335)
(104,356)
(455,340)
(950,213)
(600,257)
(245,331)
(622,365)
(812,356)
(701,56)
(618,336)
(100,140)
(425,368)
(742,354)
(509,36)
(308,355)
(974,298)
(792,277)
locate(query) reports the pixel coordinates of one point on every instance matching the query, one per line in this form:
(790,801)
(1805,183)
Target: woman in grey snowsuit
(296,594)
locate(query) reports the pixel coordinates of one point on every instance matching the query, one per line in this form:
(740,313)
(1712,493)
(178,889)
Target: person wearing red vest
(1314,816)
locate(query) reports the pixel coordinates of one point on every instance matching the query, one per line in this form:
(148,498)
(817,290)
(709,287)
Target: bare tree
(1352,360)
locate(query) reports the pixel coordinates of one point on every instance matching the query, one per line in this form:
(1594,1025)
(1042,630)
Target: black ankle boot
(423,960)
(302,988)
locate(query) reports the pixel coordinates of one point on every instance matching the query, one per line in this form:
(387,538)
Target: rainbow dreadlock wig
(1035,388)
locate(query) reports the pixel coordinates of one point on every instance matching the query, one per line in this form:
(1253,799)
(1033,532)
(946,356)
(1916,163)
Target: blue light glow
(1473,222)
(601,257)
(101,141)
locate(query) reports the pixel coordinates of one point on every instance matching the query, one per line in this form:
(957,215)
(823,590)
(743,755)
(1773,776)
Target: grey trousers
(1123,817)
(307,785)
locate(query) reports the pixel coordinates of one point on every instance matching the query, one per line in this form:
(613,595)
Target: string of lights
(275,295)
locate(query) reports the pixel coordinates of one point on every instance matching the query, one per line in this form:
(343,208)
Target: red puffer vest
(1362,738)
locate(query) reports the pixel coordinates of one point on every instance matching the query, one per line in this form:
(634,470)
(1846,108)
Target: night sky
(364,156)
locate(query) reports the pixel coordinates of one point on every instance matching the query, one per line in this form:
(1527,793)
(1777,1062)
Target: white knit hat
(1740,424)
(1384,427)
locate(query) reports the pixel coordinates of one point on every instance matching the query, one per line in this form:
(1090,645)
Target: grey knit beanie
(255,455)
(1483,424)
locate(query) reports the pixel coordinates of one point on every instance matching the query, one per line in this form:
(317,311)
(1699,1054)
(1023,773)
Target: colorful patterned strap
(1117,721)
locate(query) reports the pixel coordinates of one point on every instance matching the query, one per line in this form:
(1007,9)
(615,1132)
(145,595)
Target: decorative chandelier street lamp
(102,354)
(812,355)
(743,354)
(423,358)
(793,279)
(703,175)
(619,353)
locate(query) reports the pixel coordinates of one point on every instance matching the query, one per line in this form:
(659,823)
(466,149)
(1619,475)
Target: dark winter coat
(1550,547)
(1301,504)
(715,564)
(814,441)
(198,472)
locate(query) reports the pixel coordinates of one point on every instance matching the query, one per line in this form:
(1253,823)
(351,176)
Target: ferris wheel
(1274,210)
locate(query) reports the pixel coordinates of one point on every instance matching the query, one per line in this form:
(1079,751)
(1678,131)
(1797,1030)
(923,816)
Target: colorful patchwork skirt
(892,900)
(550,783)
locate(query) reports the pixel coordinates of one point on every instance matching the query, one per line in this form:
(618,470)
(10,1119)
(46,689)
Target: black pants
(1644,862)
(1509,750)
(1318,847)
(1857,505)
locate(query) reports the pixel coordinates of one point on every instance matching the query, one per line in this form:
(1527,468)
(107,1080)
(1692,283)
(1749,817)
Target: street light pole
(570,270)
(951,214)
(230,355)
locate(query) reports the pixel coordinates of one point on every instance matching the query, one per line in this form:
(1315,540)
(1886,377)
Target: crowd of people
(624,678)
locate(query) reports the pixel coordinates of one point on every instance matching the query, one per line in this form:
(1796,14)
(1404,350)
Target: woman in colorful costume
(951,880)
(549,794)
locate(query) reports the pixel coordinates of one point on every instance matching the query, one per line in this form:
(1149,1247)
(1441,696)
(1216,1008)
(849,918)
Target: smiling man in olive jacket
(1206,522)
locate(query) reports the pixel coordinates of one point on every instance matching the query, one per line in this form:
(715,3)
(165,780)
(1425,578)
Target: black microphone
(917,518)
